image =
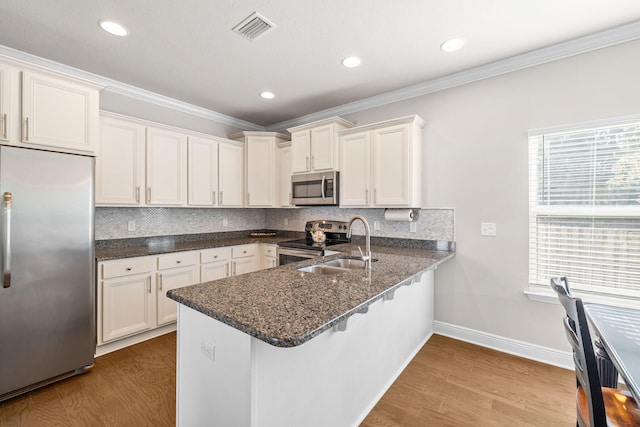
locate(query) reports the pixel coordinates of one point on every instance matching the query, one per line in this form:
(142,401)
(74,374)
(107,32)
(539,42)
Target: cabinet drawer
(126,267)
(215,255)
(178,259)
(243,251)
(269,250)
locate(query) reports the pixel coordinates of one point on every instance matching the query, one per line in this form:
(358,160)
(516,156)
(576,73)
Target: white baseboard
(550,356)
(103,349)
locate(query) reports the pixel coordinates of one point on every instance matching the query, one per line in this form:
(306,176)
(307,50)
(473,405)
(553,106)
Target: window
(584,210)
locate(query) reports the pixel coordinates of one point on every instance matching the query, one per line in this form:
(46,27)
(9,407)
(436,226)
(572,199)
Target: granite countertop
(285,307)
(127,248)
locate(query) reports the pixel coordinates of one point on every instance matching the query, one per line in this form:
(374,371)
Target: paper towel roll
(405,215)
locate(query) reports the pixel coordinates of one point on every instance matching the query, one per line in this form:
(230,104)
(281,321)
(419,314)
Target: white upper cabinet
(283,162)
(381,164)
(314,146)
(8,102)
(260,166)
(203,172)
(166,167)
(355,172)
(59,112)
(120,162)
(230,174)
(47,110)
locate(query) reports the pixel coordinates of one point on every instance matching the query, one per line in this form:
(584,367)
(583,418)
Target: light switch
(225,222)
(376,225)
(488,229)
(131,226)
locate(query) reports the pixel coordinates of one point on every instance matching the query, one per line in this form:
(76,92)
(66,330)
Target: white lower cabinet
(244,259)
(126,290)
(132,292)
(269,259)
(175,270)
(214,264)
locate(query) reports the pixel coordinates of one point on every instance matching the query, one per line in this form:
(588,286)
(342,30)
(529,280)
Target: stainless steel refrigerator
(47,296)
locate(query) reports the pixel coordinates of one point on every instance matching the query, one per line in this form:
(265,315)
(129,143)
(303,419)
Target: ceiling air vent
(254,26)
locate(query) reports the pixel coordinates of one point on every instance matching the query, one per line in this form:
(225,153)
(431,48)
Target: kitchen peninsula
(282,347)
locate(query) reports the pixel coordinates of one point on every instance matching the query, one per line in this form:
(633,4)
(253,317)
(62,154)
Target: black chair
(596,406)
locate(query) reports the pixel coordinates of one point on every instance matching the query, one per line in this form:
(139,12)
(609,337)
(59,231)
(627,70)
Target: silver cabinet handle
(214,198)
(290,200)
(160,281)
(308,163)
(26,131)
(220,199)
(322,187)
(148,284)
(248,198)
(178,261)
(4,126)
(375,196)
(313,162)
(7,200)
(149,195)
(366,196)
(138,194)
(234,268)
(128,268)
(226,270)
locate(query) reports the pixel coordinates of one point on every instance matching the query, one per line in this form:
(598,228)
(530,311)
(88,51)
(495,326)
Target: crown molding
(124,89)
(595,41)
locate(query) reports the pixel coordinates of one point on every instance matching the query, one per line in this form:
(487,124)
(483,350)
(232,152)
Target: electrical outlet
(225,222)
(413,227)
(488,229)
(376,225)
(286,221)
(131,226)
(208,350)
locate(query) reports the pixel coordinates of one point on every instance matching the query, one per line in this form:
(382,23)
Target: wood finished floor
(448,383)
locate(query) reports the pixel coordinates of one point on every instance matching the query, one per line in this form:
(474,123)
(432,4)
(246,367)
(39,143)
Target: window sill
(552,298)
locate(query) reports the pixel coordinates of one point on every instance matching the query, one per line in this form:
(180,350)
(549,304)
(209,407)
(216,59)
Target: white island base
(227,378)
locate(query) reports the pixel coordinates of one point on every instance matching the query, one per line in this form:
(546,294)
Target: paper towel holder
(404,215)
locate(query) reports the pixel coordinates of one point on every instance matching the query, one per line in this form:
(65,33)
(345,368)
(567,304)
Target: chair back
(577,330)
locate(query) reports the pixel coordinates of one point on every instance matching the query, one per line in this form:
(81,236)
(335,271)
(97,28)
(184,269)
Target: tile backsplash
(112,223)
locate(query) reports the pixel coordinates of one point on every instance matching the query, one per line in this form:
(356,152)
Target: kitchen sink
(335,266)
(323,269)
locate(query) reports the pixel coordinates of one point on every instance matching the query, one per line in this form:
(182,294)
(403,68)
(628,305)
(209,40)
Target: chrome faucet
(366,257)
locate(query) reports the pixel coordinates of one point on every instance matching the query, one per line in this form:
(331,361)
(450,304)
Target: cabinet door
(301,151)
(126,306)
(214,271)
(245,265)
(355,172)
(230,175)
(166,167)
(391,166)
(323,148)
(119,162)
(172,279)
(284,176)
(268,256)
(59,112)
(203,172)
(261,174)
(6,105)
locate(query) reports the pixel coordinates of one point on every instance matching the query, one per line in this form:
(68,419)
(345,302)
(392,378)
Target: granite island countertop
(286,307)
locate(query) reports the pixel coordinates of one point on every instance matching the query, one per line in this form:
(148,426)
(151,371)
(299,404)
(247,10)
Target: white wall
(475,160)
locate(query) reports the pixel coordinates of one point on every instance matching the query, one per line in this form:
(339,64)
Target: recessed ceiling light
(113,28)
(352,61)
(267,95)
(452,45)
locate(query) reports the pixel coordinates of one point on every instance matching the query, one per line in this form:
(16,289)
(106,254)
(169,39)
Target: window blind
(584,209)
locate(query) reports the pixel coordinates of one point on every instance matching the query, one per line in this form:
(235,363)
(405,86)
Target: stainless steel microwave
(315,189)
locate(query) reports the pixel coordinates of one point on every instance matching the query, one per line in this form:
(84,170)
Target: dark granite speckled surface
(285,307)
(142,246)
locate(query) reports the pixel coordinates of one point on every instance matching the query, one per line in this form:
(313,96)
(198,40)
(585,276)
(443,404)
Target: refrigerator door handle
(7,199)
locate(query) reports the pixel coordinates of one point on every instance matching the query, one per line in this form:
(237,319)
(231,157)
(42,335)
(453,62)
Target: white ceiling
(186,50)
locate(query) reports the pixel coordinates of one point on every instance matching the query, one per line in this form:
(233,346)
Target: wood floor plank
(448,383)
